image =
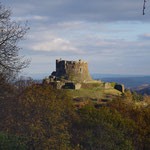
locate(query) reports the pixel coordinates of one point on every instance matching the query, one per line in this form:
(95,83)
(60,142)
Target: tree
(140,116)
(41,114)
(8,142)
(101,129)
(11,32)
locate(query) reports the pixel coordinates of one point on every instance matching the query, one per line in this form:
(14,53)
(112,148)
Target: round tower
(73,70)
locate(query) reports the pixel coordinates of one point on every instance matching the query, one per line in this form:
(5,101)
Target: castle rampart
(72,70)
(74,74)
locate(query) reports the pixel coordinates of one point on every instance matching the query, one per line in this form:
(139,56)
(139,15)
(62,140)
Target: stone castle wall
(75,75)
(72,70)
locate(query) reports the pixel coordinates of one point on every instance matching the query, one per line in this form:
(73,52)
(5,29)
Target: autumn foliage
(41,117)
(40,114)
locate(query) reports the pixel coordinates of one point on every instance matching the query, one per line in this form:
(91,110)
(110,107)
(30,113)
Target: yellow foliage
(42,115)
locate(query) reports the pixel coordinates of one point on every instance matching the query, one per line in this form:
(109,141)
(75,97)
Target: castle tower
(72,70)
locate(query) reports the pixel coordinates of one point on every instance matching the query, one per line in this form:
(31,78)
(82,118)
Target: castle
(76,71)
(73,74)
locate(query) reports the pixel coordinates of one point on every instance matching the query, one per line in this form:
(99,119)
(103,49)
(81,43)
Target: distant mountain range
(100,76)
(94,76)
(130,82)
(141,84)
(143,89)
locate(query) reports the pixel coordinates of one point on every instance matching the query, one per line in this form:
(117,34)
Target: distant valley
(140,84)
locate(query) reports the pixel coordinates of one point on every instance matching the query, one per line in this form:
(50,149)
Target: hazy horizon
(93,75)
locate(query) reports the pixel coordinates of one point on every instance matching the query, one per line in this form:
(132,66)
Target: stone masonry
(76,71)
(73,74)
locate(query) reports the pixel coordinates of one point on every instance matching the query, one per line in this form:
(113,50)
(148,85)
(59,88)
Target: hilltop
(74,78)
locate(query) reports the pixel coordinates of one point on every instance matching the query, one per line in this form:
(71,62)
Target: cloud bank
(112,35)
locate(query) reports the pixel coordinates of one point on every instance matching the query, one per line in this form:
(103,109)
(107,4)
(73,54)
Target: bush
(11,142)
(100,129)
(42,115)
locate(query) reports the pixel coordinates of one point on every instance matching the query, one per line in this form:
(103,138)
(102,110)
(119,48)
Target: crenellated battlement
(74,74)
(72,70)
(71,62)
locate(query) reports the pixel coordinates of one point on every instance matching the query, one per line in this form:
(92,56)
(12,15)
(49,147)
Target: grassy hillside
(94,92)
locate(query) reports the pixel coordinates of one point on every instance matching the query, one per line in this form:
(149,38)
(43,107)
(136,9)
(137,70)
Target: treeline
(39,117)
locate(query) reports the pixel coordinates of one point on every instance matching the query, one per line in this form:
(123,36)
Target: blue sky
(113,36)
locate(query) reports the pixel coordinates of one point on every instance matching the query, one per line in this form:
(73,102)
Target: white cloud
(57,44)
(40,18)
(71,25)
(145,36)
(53,38)
(30,18)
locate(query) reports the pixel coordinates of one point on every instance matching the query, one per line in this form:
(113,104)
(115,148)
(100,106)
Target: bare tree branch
(11,32)
(144,6)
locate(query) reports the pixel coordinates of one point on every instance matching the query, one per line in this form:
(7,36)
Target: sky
(113,36)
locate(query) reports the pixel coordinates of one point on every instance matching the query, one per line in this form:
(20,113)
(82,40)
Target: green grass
(96,92)
(88,93)
(92,85)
